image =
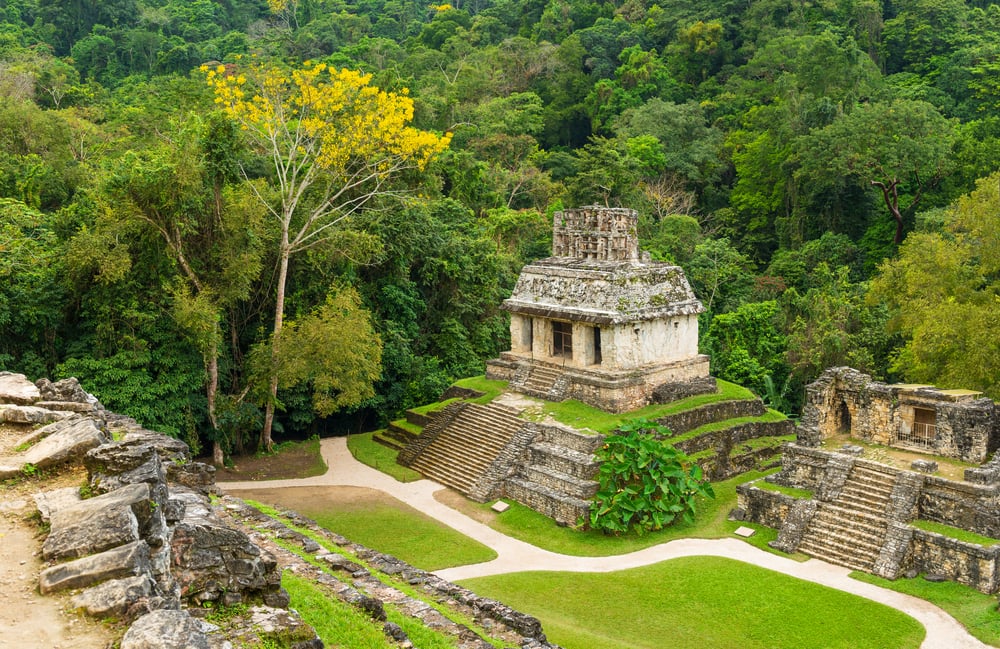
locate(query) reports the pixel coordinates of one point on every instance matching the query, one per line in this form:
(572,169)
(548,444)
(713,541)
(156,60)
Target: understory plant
(645,484)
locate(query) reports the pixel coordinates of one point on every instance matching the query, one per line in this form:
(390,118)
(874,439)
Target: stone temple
(598,321)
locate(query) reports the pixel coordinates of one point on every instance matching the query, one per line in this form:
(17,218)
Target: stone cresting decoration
(599,322)
(861,514)
(950,423)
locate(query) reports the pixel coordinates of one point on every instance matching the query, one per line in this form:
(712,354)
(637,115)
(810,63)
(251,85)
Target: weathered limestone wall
(967,506)
(763,506)
(966,563)
(659,341)
(802,467)
(844,400)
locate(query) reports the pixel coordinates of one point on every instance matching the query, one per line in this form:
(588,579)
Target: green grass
(491,389)
(580,415)
(396,528)
(954,532)
(699,602)
(433,407)
(337,623)
(407,426)
(794,492)
(976,611)
(710,522)
(366,450)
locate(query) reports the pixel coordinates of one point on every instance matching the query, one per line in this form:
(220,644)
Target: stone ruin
(149,547)
(147,543)
(860,513)
(950,423)
(599,322)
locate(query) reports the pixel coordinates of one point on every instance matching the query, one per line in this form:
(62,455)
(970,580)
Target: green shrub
(645,484)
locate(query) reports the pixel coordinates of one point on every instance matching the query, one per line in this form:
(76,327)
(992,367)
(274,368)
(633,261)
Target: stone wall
(843,400)
(709,413)
(966,563)
(726,460)
(763,506)
(966,506)
(802,467)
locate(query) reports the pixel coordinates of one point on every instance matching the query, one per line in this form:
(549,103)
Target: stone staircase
(851,530)
(470,440)
(557,476)
(542,381)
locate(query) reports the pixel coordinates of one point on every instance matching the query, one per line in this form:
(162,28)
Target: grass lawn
(954,533)
(580,415)
(379,521)
(977,612)
(366,450)
(710,522)
(699,603)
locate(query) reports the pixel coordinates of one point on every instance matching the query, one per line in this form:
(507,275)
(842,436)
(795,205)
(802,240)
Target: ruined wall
(966,506)
(966,563)
(844,400)
(763,506)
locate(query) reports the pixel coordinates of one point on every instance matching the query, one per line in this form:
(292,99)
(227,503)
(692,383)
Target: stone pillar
(583,344)
(541,337)
(521,334)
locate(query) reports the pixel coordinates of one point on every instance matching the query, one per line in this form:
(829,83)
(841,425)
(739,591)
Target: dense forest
(825,171)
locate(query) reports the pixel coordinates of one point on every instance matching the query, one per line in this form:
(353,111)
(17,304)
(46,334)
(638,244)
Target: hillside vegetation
(301,216)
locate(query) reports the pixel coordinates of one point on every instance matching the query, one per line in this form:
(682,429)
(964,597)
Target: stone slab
(32,415)
(115,597)
(17,389)
(68,443)
(500,507)
(98,524)
(167,630)
(745,532)
(125,561)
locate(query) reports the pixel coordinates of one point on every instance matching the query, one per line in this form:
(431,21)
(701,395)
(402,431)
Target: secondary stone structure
(865,514)
(951,423)
(598,321)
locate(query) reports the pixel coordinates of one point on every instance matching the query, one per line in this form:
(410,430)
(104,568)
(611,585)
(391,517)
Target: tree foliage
(645,484)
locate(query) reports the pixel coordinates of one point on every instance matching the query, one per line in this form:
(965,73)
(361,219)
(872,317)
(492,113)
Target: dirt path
(27,619)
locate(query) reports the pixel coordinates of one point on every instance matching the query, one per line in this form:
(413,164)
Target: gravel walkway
(943,632)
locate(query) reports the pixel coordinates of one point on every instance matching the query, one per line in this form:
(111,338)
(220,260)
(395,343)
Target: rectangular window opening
(562,339)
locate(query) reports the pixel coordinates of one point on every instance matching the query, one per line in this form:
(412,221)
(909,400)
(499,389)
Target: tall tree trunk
(279,313)
(211,390)
(890,192)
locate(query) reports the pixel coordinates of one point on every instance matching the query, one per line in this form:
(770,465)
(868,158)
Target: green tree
(335,143)
(942,292)
(901,148)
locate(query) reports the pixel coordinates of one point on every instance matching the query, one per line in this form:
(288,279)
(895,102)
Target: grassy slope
(396,528)
(367,451)
(699,602)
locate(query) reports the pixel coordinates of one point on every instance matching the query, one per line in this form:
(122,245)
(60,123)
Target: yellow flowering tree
(334,141)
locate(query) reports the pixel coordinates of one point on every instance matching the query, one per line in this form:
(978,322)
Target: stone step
(560,482)
(848,560)
(562,459)
(389,442)
(862,484)
(844,541)
(862,517)
(564,509)
(457,451)
(862,502)
(825,525)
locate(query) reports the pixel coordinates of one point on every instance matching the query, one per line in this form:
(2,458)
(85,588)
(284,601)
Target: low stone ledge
(170,630)
(31,415)
(764,506)
(967,563)
(124,561)
(17,389)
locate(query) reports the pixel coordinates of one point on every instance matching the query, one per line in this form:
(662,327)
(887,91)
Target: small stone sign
(745,532)
(500,507)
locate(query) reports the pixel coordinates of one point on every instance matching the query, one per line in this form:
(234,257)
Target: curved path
(943,632)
